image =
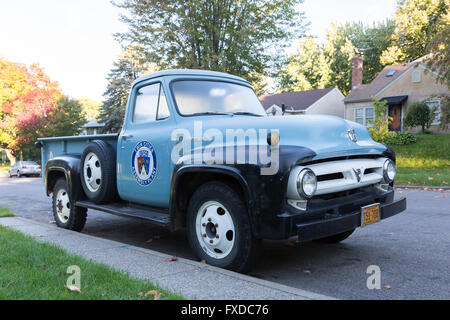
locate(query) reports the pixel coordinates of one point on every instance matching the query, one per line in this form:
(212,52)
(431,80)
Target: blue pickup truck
(197,151)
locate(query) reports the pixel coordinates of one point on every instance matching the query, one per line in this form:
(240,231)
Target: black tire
(18,174)
(77,216)
(107,189)
(245,248)
(336,238)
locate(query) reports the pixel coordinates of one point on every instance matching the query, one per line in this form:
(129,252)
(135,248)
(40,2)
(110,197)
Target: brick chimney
(357,70)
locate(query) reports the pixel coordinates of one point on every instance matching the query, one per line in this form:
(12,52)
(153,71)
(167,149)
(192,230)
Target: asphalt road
(411,249)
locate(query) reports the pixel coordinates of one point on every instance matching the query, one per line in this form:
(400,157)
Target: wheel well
(189,182)
(52,177)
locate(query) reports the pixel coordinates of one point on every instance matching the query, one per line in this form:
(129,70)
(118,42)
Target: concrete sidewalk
(192,279)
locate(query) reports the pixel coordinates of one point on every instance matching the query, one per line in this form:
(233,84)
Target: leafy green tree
(91,108)
(241,37)
(371,40)
(417,23)
(438,60)
(419,114)
(132,64)
(339,52)
(306,69)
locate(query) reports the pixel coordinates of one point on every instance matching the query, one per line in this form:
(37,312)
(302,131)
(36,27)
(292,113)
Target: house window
(364,115)
(436,105)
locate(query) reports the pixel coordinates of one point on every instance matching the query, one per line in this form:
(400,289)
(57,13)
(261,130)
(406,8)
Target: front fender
(67,166)
(263,194)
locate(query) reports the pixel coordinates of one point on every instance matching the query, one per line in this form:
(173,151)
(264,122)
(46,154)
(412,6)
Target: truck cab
(197,151)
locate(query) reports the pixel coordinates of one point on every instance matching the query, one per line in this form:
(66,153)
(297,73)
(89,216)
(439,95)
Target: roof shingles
(367,91)
(300,100)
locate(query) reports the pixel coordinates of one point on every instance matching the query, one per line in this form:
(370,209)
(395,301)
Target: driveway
(411,249)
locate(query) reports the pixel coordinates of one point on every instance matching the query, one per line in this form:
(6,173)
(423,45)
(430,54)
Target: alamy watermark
(237,146)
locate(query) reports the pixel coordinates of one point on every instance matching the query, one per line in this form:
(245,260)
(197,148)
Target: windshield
(215,97)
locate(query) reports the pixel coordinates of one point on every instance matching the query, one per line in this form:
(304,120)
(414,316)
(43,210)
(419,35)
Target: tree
(438,60)
(419,114)
(91,108)
(306,69)
(66,118)
(132,64)
(239,37)
(417,23)
(33,106)
(339,52)
(26,93)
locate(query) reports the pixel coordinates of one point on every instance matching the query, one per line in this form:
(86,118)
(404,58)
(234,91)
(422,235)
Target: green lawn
(426,162)
(5,212)
(33,270)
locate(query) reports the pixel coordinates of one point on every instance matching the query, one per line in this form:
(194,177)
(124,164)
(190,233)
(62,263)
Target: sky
(73,39)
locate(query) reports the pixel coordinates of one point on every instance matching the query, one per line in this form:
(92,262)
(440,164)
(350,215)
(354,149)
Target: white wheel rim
(92,172)
(62,205)
(215,229)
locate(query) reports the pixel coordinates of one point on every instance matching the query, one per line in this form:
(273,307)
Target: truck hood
(327,136)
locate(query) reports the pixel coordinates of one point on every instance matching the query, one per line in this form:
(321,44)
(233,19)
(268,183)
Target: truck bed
(57,146)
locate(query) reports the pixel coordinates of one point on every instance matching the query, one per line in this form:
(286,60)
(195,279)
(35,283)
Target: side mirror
(38,145)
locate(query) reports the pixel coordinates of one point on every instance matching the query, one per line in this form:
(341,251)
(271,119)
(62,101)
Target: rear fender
(68,167)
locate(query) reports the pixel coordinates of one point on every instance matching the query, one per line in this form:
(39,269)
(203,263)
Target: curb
(422,187)
(294,293)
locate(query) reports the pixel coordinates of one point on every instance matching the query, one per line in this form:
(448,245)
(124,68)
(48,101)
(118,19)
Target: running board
(159,217)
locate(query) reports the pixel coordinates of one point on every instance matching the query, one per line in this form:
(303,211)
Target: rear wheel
(218,228)
(67,215)
(336,238)
(98,172)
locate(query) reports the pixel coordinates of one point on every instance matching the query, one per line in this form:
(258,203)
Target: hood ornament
(351,135)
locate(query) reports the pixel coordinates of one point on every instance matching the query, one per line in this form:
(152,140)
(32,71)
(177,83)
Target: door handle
(125,137)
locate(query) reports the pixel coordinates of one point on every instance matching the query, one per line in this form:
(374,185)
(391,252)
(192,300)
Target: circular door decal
(143,163)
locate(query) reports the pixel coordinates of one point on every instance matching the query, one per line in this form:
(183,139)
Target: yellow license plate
(370,214)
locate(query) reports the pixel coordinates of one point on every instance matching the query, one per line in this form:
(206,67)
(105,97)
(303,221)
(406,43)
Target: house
(400,85)
(91,127)
(320,101)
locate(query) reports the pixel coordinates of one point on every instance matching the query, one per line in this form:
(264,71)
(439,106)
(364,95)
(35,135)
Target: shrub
(419,114)
(380,126)
(400,138)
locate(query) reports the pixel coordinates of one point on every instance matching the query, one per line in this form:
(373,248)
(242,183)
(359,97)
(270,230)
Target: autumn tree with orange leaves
(32,106)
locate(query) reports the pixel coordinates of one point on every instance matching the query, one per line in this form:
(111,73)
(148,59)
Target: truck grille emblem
(351,135)
(357,174)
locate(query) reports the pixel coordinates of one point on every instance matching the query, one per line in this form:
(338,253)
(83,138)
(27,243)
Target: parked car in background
(25,168)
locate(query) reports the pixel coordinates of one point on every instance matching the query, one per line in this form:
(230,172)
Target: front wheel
(218,228)
(66,215)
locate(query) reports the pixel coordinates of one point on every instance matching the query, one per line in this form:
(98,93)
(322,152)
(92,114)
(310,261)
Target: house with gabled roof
(400,85)
(320,101)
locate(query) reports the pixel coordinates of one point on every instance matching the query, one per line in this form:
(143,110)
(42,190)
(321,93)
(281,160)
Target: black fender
(67,166)
(229,171)
(263,194)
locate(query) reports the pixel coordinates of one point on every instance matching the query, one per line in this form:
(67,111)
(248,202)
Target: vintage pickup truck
(197,151)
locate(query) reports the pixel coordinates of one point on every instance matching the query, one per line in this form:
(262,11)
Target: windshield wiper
(211,113)
(247,113)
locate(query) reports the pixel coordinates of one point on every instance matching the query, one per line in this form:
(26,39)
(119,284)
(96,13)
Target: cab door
(144,148)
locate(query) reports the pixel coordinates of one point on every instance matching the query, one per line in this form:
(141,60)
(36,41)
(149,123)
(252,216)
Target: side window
(146,104)
(163,108)
(359,115)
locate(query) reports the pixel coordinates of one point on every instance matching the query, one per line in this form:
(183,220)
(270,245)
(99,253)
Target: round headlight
(306,183)
(389,170)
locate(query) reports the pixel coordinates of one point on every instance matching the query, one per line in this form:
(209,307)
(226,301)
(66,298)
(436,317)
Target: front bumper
(317,229)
